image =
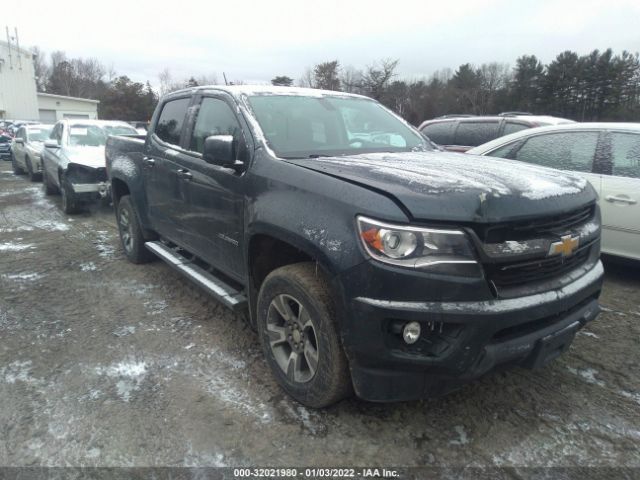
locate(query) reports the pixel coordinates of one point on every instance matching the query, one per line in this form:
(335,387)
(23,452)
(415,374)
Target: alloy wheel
(126,230)
(292,338)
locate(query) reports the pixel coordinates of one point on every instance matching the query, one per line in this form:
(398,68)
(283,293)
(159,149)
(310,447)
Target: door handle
(185,174)
(612,198)
(148,161)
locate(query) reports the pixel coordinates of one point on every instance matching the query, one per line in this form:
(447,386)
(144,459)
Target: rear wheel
(70,203)
(297,327)
(49,189)
(17,169)
(131,234)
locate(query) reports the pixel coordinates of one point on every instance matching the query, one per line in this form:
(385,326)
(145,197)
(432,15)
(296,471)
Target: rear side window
(574,151)
(171,120)
(440,132)
(625,154)
(472,134)
(513,127)
(503,151)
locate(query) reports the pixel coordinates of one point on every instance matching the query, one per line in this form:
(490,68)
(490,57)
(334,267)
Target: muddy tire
(299,335)
(131,235)
(70,202)
(33,176)
(16,168)
(49,189)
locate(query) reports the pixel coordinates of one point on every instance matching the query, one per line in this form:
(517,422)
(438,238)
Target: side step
(221,291)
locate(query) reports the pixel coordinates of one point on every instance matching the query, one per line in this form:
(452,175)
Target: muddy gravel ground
(105,363)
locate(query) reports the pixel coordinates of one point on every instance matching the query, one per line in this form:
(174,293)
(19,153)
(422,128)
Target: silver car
(73,162)
(27,148)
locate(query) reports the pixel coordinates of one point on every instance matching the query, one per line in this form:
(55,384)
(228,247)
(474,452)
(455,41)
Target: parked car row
(68,157)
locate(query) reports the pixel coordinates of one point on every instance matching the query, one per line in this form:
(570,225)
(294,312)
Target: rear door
(51,156)
(161,166)
(620,193)
(215,195)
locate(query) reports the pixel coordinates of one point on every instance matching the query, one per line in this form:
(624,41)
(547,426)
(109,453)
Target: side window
(440,132)
(572,151)
(472,134)
(215,117)
(513,127)
(171,120)
(503,151)
(625,154)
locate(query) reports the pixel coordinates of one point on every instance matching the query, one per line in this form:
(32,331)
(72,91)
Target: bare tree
(376,77)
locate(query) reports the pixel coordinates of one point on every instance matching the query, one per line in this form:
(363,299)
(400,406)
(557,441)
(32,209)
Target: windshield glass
(39,134)
(94,135)
(300,127)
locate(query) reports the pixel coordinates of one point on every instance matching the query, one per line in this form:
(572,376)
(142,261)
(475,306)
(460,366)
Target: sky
(254,41)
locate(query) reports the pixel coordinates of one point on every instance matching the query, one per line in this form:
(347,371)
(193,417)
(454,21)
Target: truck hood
(88,156)
(459,187)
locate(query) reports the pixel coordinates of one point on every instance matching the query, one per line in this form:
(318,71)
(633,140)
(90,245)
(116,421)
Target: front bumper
(5,154)
(461,340)
(101,189)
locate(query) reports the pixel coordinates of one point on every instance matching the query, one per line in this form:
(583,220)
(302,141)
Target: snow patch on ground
(14,247)
(20,228)
(631,396)
(103,245)
(124,331)
(129,374)
(155,307)
(51,225)
(88,267)
(588,374)
(23,277)
(588,334)
(16,372)
(462,439)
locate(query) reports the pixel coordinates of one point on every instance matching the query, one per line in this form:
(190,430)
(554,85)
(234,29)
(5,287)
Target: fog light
(411,332)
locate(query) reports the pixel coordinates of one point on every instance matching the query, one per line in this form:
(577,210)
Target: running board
(220,290)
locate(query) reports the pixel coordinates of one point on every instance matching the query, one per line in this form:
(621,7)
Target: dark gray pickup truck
(366,260)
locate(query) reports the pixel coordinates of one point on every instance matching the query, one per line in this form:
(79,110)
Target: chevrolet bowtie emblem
(565,247)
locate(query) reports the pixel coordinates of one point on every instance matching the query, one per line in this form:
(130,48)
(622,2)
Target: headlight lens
(447,251)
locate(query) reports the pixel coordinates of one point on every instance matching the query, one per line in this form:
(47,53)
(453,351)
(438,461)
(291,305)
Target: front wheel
(131,234)
(17,169)
(70,202)
(49,189)
(299,335)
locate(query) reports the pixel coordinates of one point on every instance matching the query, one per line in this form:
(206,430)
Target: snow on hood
(451,186)
(88,156)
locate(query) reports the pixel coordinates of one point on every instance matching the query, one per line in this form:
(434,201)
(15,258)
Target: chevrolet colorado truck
(367,261)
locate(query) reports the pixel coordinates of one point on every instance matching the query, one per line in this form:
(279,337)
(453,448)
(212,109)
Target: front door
(620,195)
(215,195)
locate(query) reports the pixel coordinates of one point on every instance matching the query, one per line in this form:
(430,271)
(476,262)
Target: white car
(73,162)
(606,154)
(27,148)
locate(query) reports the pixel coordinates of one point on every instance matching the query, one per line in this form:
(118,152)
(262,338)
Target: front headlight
(444,251)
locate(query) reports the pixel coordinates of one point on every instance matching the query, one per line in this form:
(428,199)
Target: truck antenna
(225,78)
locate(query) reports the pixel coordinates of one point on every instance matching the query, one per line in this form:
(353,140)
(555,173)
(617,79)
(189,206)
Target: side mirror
(218,150)
(51,144)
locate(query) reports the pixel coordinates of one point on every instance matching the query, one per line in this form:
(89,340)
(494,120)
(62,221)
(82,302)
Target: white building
(52,108)
(19,99)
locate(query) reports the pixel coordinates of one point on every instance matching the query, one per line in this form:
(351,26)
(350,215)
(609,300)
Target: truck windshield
(94,135)
(300,127)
